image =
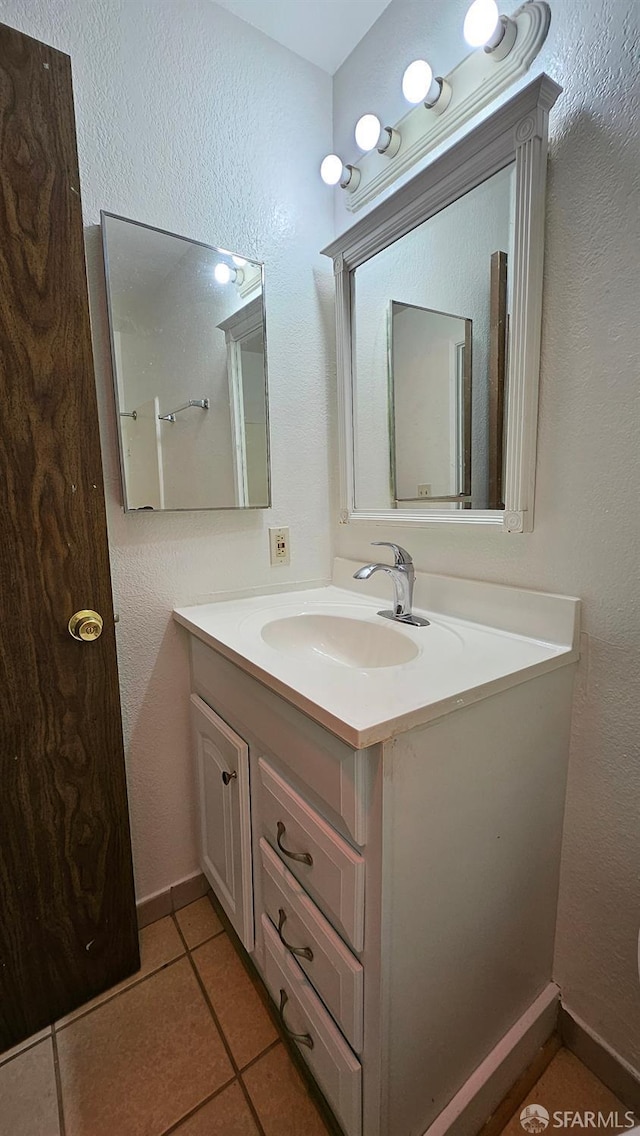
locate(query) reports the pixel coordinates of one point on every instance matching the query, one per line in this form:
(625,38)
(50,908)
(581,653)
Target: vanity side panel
(474,806)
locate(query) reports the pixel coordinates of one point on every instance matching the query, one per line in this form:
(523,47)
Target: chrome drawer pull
(303,857)
(304,952)
(301,1038)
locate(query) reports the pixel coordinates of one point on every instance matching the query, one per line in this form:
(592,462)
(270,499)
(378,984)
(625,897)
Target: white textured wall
(191,121)
(586,538)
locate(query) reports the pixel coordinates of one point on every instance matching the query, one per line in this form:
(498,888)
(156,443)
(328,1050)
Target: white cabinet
(222,764)
(404,895)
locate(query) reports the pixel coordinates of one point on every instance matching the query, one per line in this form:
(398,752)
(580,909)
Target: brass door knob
(85,626)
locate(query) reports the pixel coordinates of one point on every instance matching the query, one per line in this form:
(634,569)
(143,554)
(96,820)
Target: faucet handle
(401,554)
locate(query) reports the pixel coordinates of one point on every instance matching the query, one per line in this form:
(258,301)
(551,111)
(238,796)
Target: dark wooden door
(67,910)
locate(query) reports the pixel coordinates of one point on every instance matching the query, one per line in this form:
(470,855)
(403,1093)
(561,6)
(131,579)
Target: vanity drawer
(335,1068)
(333,970)
(326,866)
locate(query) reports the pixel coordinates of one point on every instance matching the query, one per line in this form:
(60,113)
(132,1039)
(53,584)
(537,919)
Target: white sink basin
(349,642)
(328,652)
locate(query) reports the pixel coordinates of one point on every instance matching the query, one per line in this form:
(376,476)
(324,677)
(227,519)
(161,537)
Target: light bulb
(223,273)
(368,131)
(481,23)
(239,261)
(416,81)
(331,169)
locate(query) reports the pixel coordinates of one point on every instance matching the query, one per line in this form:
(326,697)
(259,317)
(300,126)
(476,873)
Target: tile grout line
(56,1070)
(254,1060)
(137,982)
(25,1049)
(110,997)
(234,1064)
(196,1109)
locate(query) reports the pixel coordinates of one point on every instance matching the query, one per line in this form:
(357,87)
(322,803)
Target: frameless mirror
(430,320)
(188,346)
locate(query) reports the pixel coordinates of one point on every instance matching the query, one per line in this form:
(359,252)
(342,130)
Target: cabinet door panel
(222,762)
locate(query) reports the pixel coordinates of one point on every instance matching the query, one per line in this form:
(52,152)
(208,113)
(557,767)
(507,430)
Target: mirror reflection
(430,328)
(430,377)
(189,358)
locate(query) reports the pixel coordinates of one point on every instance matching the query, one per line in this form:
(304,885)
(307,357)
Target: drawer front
(326,866)
(334,972)
(222,763)
(336,773)
(334,1067)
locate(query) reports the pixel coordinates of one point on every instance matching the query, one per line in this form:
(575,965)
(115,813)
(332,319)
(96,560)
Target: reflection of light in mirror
(225,274)
(239,261)
(367,132)
(482,23)
(331,169)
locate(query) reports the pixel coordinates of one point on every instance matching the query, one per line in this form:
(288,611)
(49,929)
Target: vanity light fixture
(331,169)
(372,135)
(367,132)
(485,27)
(510,44)
(334,172)
(225,274)
(419,85)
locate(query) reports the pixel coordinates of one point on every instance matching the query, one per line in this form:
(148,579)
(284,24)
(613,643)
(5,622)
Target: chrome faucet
(403,576)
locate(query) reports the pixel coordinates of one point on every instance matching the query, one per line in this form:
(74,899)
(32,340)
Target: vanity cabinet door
(222,764)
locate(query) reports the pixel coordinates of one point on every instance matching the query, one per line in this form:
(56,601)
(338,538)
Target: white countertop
(459,661)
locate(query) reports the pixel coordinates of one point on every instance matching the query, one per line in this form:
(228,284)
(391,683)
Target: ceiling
(323,31)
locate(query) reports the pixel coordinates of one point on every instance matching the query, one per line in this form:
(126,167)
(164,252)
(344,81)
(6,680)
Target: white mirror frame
(516,132)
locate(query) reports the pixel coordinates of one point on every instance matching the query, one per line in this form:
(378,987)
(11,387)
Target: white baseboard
(170,899)
(479,1097)
(613,1071)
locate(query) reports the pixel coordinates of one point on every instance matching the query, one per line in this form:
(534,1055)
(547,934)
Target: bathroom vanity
(380,816)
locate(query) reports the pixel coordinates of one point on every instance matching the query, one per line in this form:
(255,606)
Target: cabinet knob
(85,626)
(227,777)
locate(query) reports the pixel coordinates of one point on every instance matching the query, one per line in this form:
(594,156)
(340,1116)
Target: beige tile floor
(568,1086)
(186,1046)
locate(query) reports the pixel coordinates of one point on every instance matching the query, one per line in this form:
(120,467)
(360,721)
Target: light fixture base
(441,102)
(391,141)
(350,178)
(506,40)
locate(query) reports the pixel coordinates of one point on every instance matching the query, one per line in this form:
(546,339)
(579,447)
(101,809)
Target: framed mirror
(188,344)
(438,294)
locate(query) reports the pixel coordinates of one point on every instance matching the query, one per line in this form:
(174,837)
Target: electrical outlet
(279,546)
(424,491)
